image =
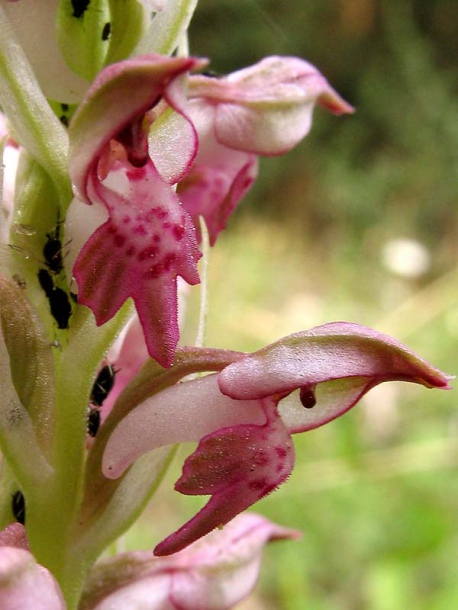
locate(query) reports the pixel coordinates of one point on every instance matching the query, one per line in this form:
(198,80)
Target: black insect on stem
(80,7)
(18,506)
(46,281)
(59,303)
(52,251)
(93,421)
(64,118)
(103,385)
(106,31)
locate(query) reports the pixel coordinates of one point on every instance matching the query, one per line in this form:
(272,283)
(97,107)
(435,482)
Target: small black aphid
(307,397)
(46,281)
(61,310)
(103,385)
(106,31)
(59,303)
(18,506)
(80,7)
(93,422)
(52,251)
(64,116)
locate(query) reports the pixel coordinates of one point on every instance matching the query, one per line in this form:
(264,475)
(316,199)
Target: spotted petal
(247,463)
(147,241)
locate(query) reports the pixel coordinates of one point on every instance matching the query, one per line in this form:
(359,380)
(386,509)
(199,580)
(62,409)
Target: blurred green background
(358,223)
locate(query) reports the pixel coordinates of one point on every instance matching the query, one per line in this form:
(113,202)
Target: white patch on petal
(80,223)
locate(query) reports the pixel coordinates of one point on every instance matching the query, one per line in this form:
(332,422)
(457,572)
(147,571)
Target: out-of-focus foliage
(394,164)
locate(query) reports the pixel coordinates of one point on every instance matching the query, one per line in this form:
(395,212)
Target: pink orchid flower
(24,584)
(265,109)
(148,239)
(217,572)
(244,416)
(133,137)
(214,573)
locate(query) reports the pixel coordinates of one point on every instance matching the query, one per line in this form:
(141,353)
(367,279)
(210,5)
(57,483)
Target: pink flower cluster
(144,128)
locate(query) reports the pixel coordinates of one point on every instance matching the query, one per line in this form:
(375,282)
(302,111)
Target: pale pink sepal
(332,351)
(267,108)
(184,412)
(25,585)
(338,362)
(245,451)
(215,573)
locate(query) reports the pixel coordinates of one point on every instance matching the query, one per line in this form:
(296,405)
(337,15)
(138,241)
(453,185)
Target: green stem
(87,347)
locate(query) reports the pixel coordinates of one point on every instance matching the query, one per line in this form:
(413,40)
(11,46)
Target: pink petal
(119,95)
(237,466)
(215,573)
(331,400)
(267,108)
(25,585)
(146,243)
(332,351)
(219,178)
(14,535)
